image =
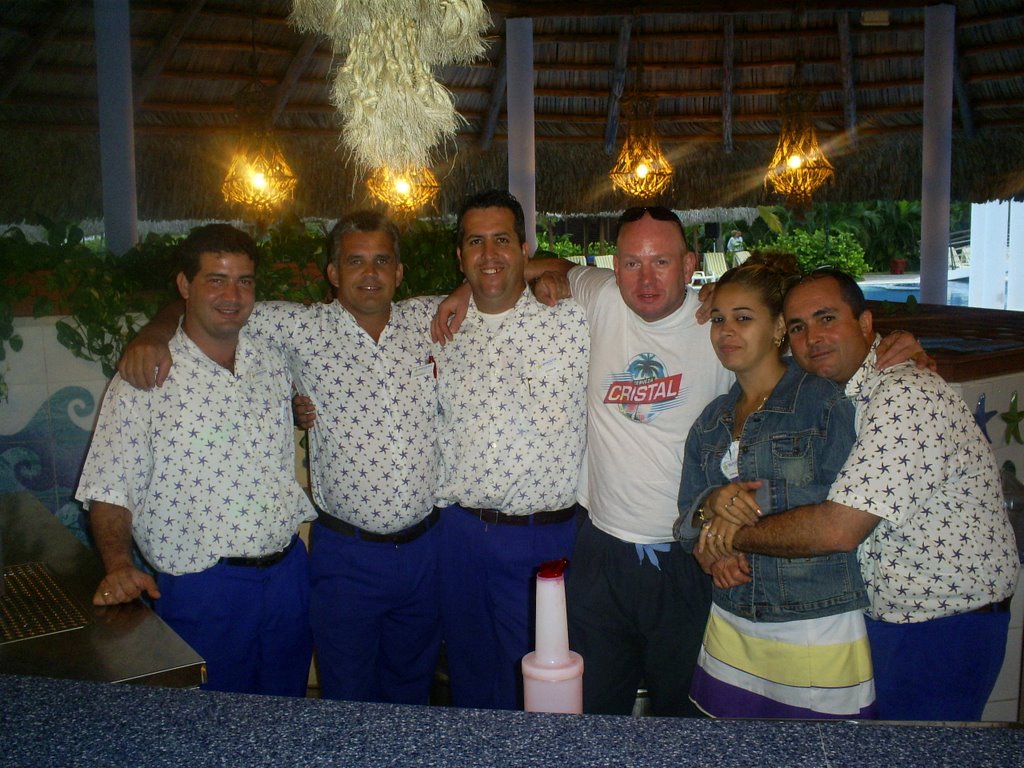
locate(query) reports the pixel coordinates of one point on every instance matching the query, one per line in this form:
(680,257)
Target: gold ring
(106,594)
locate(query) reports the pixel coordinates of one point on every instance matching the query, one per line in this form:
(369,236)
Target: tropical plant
(292,262)
(814,249)
(562,246)
(428,257)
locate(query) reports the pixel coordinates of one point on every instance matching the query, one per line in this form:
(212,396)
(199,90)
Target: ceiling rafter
(618,84)
(159,58)
(33,48)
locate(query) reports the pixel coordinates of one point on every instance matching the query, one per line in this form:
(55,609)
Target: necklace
(740,418)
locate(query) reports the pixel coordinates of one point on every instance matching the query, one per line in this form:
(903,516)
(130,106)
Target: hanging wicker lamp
(403,191)
(798,167)
(641,170)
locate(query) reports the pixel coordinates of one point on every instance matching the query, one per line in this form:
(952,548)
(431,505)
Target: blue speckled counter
(45,722)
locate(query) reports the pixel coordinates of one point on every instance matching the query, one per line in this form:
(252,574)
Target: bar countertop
(72,723)
(123,643)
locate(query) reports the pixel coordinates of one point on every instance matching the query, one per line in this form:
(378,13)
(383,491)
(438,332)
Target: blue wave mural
(46,456)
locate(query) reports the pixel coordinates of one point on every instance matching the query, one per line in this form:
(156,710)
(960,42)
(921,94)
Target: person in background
(735,242)
(790,641)
(919,499)
(512,431)
(200,475)
(365,364)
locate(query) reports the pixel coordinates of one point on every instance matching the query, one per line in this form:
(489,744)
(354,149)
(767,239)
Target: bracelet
(702,517)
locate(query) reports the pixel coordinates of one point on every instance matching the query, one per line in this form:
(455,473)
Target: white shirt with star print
(513,409)
(372,449)
(944,544)
(205,463)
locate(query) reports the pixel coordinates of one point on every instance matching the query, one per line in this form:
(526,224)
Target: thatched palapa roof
(717,71)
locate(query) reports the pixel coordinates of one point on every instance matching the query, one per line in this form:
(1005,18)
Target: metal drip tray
(34,605)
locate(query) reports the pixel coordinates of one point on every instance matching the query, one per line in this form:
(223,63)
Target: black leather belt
(263,561)
(404,536)
(547,517)
(1001,607)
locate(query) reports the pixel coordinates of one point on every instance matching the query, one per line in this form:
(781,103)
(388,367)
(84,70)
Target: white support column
(117,124)
(988,255)
(936,150)
(522,162)
(1015,258)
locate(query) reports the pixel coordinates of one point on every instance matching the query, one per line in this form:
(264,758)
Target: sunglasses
(657,212)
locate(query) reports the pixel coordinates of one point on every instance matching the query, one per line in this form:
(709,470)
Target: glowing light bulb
(402,186)
(258,180)
(642,169)
(795,161)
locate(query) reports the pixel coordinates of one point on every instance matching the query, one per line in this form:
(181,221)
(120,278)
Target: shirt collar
(864,375)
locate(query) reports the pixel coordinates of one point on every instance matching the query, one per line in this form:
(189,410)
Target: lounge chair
(714,263)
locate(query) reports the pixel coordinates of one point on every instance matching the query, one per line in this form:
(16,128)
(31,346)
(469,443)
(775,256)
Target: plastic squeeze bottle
(552,674)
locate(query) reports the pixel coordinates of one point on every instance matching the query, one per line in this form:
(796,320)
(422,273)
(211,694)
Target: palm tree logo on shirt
(645,367)
(644,389)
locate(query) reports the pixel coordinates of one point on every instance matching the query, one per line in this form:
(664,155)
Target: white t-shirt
(648,383)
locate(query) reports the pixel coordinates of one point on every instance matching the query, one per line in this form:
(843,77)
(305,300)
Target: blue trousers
(941,669)
(250,625)
(376,616)
(488,602)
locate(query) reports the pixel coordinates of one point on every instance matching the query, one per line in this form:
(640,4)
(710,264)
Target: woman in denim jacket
(785,637)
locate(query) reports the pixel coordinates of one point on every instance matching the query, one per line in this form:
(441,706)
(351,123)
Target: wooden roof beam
(728,72)
(963,97)
(616,7)
(498,87)
(34,47)
(611,127)
(847,77)
(296,67)
(164,51)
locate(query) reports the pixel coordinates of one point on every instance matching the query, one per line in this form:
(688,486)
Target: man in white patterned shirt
(511,388)
(366,365)
(920,496)
(201,474)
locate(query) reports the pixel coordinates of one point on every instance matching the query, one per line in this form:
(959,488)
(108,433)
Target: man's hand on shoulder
(450,314)
(706,294)
(146,360)
(900,346)
(551,287)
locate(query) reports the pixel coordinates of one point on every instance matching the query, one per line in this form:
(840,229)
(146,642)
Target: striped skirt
(810,668)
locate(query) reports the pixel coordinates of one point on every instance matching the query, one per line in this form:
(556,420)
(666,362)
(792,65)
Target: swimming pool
(899,290)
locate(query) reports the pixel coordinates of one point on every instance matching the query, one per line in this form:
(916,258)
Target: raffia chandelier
(798,167)
(403,191)
(258,178)
(394,112)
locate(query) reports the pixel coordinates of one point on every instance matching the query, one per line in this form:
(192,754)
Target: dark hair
(656,212)
(213,238)
(771,275)
(849,291)
(361,221)
(493,198)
